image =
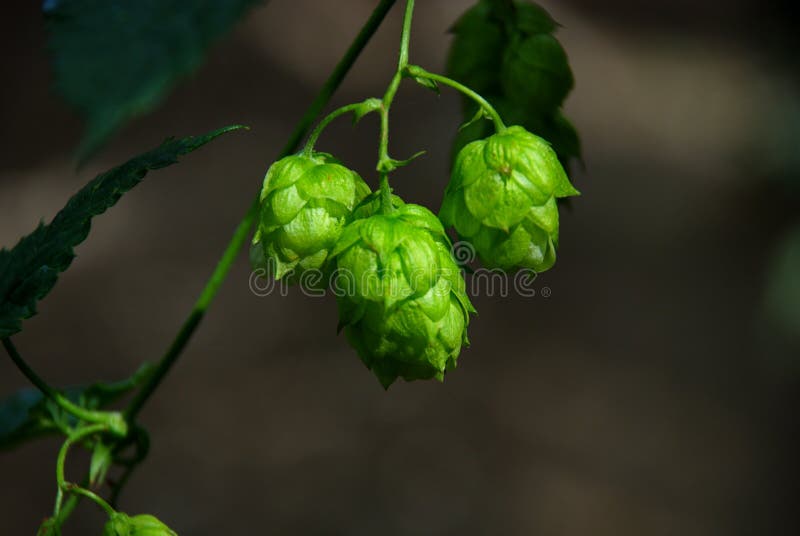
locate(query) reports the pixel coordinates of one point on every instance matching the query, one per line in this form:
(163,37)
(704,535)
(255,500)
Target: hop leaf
(502,198)
(305,203)
(142,525)
(401,296)
(536,73)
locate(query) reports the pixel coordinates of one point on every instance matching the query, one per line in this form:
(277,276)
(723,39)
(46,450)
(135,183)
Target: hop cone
(402,299)
(507,51)
(142,525)
(305,203)
(502,199)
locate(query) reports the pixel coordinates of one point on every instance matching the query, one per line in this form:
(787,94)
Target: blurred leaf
(782,300)
(27,414)
(536,74)
(29,271)
(114,60)
(16,423)
(506,51)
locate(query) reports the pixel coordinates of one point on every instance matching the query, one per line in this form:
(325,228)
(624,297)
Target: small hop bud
(402,299)
(502,199)
(305,203)
(142,525)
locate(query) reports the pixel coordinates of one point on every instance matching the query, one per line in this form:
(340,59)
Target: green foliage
(306,201)
(28,414)
(402,299)
(506,51)
(28,271)
(502,198)
(116,60)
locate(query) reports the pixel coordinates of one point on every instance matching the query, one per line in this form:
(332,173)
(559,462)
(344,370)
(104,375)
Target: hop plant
(142,525)
(502,199)
(401,295)
(402,299)
(306,201)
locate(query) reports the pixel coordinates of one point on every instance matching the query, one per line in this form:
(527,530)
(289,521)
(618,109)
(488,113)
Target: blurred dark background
(654,392)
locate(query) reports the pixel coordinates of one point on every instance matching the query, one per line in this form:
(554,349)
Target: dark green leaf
(477,51)
(114,60)
(30,270)
(532,19)
(536,74)
(27,414)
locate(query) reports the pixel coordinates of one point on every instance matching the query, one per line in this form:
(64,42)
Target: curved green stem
(109,419)
(418,72)
(99,501)
(63,485)
(405,37)
(387,207)
(242,231)
(359,108)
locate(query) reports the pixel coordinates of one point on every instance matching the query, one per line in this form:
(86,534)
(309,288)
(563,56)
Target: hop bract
(142,525)
(305,203)
(402,299)
(502,199)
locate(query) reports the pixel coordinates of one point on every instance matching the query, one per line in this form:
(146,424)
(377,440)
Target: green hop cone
(305,203)
(506,50)
(502,199)
(402,299)
(142,525)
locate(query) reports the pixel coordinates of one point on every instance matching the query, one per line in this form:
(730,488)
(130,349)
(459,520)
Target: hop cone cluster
(401,296)
(507,51)
(502,199)
(142,525)
(306,201)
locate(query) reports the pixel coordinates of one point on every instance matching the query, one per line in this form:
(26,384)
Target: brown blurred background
(646,396)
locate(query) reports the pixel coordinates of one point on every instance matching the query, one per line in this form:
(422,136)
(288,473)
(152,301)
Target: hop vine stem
(385,164)
(110,419)
(242,231)
(416,71)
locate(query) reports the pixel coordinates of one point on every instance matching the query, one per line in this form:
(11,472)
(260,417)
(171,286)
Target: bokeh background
(653,392)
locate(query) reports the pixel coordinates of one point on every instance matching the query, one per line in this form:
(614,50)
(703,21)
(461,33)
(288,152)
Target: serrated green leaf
(116,60)
(27,414)
(30,269)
